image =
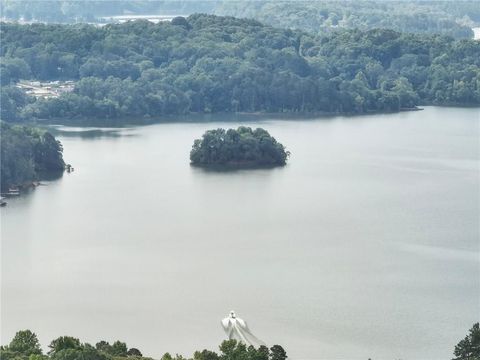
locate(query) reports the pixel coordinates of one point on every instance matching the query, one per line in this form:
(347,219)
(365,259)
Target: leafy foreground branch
(239,148)
(25,346)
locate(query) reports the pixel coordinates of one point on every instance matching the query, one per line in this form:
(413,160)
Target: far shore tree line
(211,64)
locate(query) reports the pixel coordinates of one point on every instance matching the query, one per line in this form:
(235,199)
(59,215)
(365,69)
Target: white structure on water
(237,329)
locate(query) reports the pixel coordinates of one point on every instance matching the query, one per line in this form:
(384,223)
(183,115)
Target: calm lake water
(365,245)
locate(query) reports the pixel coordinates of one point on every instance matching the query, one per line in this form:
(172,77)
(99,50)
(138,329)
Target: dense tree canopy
(70,348)
(26,154)
(25,342)
(207,63)
(240,147)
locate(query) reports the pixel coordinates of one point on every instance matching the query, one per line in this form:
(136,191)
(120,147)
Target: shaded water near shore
(365,245)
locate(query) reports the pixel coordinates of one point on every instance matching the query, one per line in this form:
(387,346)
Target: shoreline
(202,117)
(18,189)
(122,122)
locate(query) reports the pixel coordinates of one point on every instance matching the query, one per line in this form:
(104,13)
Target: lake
(365,245)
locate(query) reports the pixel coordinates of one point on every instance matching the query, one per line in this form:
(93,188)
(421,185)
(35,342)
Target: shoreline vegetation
(28,155)
(204,117)
(238,149)
(140,120)
(210,64)
(25,346)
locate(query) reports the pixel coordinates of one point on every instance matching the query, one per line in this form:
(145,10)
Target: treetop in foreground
(25,346)
(469,347)
(241,147)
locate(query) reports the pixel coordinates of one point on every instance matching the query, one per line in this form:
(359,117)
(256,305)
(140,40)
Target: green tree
(64,343)
(38,357)
(119,349)
(205,355)
(48,154)
(6,354)
(277,353)
(469,347)
(166,356)
(233,350)
(104,346)
(25,342)
(134,352)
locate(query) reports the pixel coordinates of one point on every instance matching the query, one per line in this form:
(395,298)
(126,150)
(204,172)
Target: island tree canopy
(239,147)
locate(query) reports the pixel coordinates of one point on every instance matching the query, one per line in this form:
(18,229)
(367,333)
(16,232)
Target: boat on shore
(13,191)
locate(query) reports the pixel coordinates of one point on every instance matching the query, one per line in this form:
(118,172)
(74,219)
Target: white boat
(237,329)
(13,192)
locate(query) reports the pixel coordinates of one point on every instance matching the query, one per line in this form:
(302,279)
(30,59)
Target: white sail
(237,329)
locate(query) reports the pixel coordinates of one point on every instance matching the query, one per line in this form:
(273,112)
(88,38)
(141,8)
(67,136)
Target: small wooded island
(242,147)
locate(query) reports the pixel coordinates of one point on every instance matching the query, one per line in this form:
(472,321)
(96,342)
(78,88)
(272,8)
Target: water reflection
(218,168)
(89,133)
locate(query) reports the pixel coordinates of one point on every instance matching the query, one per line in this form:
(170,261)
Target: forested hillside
(207,63)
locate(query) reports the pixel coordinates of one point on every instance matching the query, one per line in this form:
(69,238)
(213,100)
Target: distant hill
(454,18)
